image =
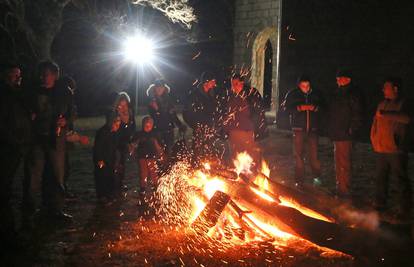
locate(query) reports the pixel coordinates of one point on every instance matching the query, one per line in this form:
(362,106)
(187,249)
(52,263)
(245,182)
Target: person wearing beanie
(106,158)
(162,110)
(201,114)
(123,106)
(304,105)
(345,118)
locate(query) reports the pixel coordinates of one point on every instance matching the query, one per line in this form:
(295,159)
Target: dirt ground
(127,234)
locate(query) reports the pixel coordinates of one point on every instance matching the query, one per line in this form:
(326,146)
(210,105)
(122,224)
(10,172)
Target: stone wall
(255,23)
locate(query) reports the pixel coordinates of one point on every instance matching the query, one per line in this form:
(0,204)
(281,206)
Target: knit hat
(303,78)
(157,83)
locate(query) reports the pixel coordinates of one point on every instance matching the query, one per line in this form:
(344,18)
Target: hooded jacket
(303,120)
(126,130)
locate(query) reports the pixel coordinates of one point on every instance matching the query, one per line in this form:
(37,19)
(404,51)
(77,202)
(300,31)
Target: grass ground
(125,234)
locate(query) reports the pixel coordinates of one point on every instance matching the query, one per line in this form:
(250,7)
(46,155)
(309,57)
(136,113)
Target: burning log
(290,220)
(211,213)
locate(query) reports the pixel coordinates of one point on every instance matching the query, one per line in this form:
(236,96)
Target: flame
(304,210)
(263,195)
(243,163)
(265,169)
(196,188)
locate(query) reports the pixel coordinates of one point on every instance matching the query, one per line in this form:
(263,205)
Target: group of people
(36,129)
(344,112)
(214,114)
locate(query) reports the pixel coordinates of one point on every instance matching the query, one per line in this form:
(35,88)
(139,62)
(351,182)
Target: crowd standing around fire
(37,130)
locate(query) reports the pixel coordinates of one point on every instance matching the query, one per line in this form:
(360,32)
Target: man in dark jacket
(162,110)
(201,114)
(243,118)
(390,141)
(304,104)
(51,113)
(345,119)
(15,130)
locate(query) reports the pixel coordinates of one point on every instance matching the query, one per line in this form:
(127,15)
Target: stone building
(255,45)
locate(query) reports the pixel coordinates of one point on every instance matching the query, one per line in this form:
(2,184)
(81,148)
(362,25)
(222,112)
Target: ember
(235,206)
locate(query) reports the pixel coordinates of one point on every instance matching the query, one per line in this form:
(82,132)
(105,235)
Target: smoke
(356,218)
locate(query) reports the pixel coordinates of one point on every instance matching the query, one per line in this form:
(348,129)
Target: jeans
(393,166)
(46,170)
(343,166)
(310,141)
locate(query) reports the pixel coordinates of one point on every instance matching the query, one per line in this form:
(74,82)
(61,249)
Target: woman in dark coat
(122,105)
(105,158)
(162,111)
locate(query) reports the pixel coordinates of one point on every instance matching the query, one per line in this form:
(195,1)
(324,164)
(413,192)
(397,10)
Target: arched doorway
(263,72)
(267,75)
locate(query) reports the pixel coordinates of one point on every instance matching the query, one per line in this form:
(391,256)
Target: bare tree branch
(176,10)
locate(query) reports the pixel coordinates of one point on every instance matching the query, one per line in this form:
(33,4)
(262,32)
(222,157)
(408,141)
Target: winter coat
(387,135)
(48,105)
(244,111)
(126,130)
(303,120)
(345,115)
(105,147)
(15,118)
(147,145)
(165,117)
(201,108)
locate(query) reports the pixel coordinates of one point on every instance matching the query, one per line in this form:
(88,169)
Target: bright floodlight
(138,49)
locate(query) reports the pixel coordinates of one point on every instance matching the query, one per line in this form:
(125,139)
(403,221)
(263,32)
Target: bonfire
(242,206)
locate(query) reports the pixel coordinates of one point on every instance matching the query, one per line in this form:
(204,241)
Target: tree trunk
(43,21)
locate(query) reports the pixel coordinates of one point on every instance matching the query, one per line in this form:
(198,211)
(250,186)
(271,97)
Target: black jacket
(345,113)
(303,120)
(201,108)
(244,111)
(15,118)
(165,117)
(105,147)
(147,145)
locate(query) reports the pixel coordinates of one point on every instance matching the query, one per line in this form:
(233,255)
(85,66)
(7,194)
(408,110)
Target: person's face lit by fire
(123,107)
(48,78)
(208,85)
(148,126)
(14,77)
(304,86)
(343,81)
(390,91)
(116,124)
(237,85)
(159,91)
